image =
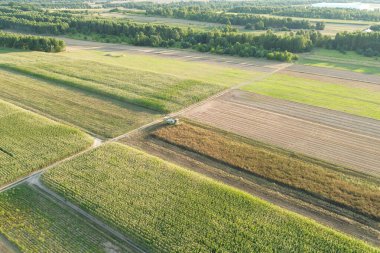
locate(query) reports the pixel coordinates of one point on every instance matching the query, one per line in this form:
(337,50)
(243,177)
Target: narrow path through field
(33,178)
(7,247)
(35,181)
(265,66)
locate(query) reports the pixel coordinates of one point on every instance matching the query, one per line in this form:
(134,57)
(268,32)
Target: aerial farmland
(164,126)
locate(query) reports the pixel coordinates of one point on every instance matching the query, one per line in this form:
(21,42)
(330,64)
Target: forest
(250,21)
(30,42)
(311,12)
(224,41)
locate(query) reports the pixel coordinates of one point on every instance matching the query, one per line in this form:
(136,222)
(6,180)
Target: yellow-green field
(35,223)
(92,113)
(30,142)
(167,208)
(351,61)
(351,99)
(148,82)
(217,74)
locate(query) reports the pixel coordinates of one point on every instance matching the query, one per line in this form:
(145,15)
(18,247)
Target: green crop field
(30,142)
(296,171)
(95,114)
(160,92)
(351,61)
(346,98)
(35,224)
(169,209)
(217,74)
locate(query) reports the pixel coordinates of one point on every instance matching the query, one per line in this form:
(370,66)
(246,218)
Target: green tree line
(255,21)
(311,12)
(30,42)
(270,45)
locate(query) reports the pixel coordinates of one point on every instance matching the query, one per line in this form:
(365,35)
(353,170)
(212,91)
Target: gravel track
(319,133)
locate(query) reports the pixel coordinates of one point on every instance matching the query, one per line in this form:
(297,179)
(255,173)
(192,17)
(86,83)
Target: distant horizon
(351,5)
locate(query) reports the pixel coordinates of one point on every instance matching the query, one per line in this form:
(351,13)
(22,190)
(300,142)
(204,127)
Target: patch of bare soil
(339,138)
(6,246)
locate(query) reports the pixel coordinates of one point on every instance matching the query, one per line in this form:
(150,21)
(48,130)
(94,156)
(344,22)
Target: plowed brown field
(336,137)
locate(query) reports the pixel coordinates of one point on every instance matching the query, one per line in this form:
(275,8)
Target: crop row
(170,209)
(288,169)
(159,92)
(29,142)
(35,224)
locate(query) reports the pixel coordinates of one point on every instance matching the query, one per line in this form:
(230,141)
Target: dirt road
(6,246)
(339,138)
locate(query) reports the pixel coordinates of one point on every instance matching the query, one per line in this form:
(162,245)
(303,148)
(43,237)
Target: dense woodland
(225,41)
(273,7)
(30,42)
(311,12)
(250,21)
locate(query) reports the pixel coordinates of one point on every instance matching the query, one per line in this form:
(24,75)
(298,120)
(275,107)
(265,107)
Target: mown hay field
(352,99)
(181,67)
(94,114)
(351,61)
(170,209)
(30,142)
(159,92)
(320,180)
(34,224)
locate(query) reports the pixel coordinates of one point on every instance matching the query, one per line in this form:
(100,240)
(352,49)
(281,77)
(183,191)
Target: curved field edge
(167,208)
(30,142)
(35,223)
(321,180)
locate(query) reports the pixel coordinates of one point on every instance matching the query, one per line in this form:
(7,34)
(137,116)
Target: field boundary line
(333,76)
(303,120)
(35,181)
(221,93)
(49,116)
(96,142)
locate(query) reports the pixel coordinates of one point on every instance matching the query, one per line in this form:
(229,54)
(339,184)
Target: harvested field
(319,179)
(310,134)
(351,61)
(352,98)
(170,209)
(335,119)
(343,74)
